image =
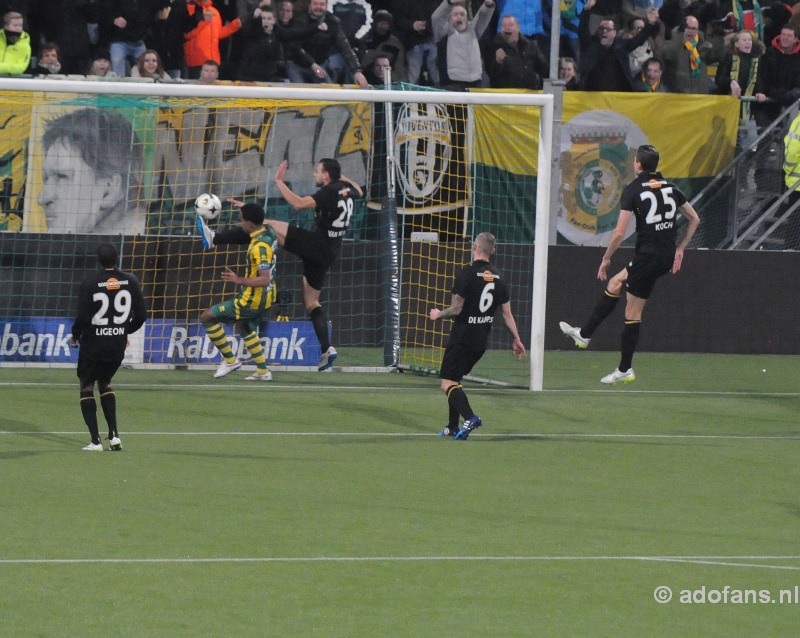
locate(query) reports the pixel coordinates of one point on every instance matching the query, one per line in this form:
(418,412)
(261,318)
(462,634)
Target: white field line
(485,435)
(722,561)
(228,387)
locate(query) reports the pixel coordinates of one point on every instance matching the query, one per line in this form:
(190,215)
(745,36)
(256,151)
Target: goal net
(84,162)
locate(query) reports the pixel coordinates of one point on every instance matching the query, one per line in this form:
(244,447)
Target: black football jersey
(655,203)
(484,291)
(110,307)
(334,210)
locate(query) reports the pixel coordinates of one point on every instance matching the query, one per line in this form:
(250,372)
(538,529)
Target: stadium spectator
(649,78)
(673,13)
(514,61)
(201,43)
(249,12)
(376,72)
(66,24)
(15,45)
(632,9)
(686,57)
(528,14)
(285,12)
(648,49)
(737,75)
(778,76)
(479,290)
(149,66)
(209,71)
(262,57)
(569,46)
(110,297)
(355,17)
(414,28)
(791,169)
(739,15)
(604,63)
(126,22)
(101,65)
(380,41)
(776,15)
(654,203)
(256,295)
(47,62)
(246,9)
(603,10)
(568,71)
(456,36)
(92,171)
(171,22)
(317,50)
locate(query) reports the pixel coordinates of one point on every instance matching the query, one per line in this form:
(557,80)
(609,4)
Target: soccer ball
(208,206)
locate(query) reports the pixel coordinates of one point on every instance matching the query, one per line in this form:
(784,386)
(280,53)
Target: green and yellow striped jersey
(260,256)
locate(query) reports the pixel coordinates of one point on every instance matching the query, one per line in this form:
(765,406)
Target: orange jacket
(202,42)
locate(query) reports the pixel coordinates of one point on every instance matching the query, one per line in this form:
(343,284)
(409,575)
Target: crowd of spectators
(605,45)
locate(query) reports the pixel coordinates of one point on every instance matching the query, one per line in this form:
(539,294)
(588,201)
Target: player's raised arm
(294,200)
(353,184)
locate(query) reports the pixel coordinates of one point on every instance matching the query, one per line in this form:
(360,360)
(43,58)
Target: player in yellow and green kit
(256,294)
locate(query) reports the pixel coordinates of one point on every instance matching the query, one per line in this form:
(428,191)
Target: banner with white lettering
(290,343)
(39,339)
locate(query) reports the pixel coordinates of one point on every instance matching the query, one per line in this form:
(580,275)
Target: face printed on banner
(73,198)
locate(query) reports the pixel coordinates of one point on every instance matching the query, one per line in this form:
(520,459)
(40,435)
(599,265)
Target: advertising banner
(290,343)
(127,165)
(165,341)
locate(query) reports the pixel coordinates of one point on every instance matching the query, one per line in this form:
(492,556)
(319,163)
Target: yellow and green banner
(695,135)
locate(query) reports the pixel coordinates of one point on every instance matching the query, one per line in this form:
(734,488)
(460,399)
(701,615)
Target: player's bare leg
(280,228)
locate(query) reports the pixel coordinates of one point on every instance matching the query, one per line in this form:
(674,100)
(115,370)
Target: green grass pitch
(324,504)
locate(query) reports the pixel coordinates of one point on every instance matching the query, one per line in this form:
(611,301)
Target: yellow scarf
(694,56)
(651,88)
(751,82)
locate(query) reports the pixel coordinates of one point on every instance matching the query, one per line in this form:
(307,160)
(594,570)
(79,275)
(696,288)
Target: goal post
(463,162)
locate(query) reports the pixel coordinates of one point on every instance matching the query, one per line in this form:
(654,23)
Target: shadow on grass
(62,440)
